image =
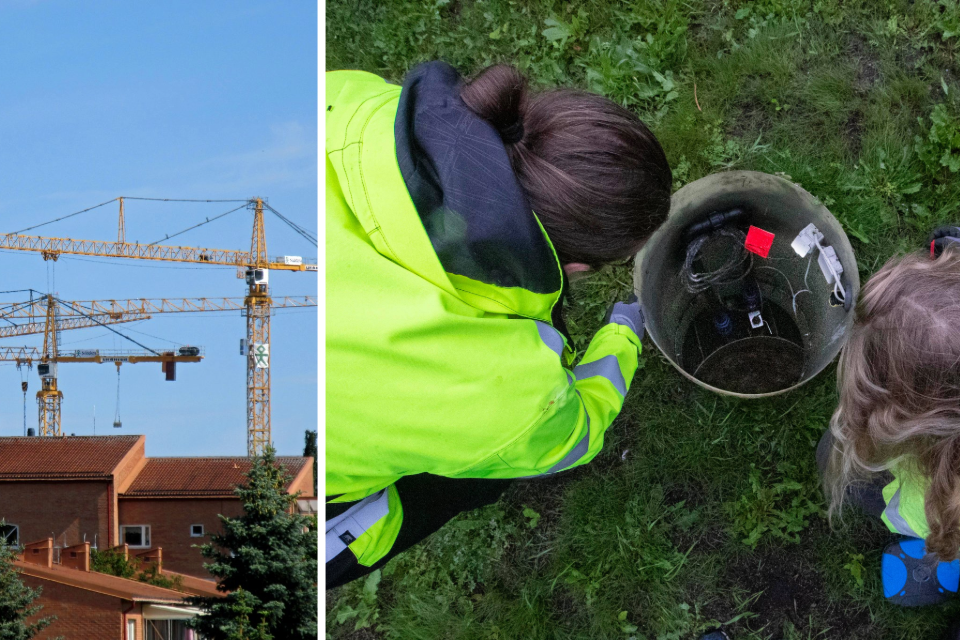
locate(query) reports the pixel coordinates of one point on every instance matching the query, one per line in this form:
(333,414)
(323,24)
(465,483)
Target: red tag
(759,241)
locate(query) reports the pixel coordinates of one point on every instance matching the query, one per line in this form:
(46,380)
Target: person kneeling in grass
(456,211)
(893,447)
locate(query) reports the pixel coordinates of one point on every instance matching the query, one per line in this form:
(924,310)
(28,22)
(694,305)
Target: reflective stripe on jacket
(428,370)
(905,498)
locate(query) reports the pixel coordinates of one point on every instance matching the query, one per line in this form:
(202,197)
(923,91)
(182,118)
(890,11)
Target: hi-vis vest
(429,371)
(905,497)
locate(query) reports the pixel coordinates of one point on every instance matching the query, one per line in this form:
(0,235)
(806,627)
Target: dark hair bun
(595,175)
(499,96)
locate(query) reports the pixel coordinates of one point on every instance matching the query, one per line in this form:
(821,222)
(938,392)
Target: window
(168,630)
(131,630)
(136,535)
(196,531)
(10,534)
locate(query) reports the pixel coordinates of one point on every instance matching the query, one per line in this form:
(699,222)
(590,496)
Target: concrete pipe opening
(728,318)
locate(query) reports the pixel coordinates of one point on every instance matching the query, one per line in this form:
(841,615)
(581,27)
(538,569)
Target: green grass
(700,509)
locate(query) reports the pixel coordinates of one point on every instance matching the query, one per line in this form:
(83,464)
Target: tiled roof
(195,586)
(198,477)
(102,583)
(66,458)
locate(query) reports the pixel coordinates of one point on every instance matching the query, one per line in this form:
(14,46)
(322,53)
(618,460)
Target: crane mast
(49,397)
(257,308)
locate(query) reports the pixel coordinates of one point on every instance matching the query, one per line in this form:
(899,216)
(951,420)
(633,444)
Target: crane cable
(43,224)
(180,199)
(304,233)
(207,221)
(293,225)
(97,206)
(23,385)
(116,416)
(105,326)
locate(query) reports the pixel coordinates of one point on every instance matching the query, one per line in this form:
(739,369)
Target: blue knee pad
(914,578)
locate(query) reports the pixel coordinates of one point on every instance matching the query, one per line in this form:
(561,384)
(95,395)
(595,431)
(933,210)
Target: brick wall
(170,521)
(138,620)
(304,483)
(81,615)
(130,465)
(43,509)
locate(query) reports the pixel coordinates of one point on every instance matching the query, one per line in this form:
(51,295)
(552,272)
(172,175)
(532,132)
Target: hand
(628,314)
(941,237)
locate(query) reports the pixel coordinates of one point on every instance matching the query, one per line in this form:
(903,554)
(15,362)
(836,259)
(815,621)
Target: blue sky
(174,99)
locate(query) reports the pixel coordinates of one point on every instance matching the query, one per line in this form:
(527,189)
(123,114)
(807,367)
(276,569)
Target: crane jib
(81,313)
(53,248)
(27,356)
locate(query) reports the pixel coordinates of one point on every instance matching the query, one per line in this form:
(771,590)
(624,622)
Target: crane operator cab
(47,370)
(257,279)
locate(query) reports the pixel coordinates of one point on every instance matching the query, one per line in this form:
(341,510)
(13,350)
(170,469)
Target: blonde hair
(899,380)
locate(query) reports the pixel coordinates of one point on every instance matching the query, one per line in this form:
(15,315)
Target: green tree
(115,564)
(267,560)
(310,449)
(16,599)
(239,626)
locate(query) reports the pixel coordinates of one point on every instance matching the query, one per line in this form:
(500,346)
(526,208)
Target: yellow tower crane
(257,303)
(50,397)
(60,315)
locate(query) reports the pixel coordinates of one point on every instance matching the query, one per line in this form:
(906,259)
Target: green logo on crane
(261,355)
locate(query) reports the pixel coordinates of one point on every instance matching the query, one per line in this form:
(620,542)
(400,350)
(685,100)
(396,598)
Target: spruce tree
(238,625)
(267,559)
(16,599)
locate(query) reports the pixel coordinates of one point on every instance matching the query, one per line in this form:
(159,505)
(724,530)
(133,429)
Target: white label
(261,355)
(829,264)
(806,240)
(87,353)
(312,267)
(115,359)
(292,260)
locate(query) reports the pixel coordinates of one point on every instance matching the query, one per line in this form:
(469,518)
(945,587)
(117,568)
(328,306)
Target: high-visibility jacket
(905,496)
(441,355)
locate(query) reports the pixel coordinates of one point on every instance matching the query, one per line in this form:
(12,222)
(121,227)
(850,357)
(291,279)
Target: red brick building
(66,488)
(179,499)
(94,606)
(105,491)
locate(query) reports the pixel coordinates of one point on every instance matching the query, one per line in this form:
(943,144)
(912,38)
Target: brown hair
(899,381)
(594,174)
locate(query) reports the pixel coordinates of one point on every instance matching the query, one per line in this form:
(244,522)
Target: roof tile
(198,477)
(102,583)
(195,586)
(63,458)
